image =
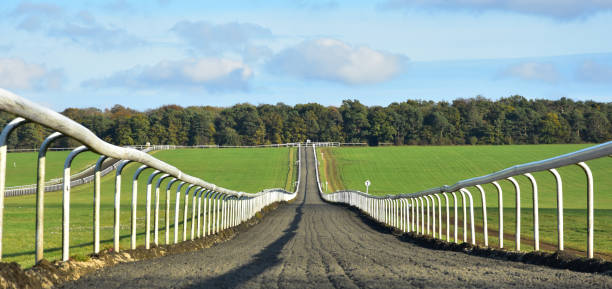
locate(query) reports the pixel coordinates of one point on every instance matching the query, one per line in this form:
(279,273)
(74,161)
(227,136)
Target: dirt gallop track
(311,244)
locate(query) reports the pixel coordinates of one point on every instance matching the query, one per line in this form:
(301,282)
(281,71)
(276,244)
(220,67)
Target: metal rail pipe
(148,210)
(167,215)
(559,208)
(66,202)
(176,209)
(447,217)
(500,206)
(12,103)
(206,213)
(186,207)
(536,215)
(485,230)
(156,211)
(226,203)
(198,231)
(517,236)
(372,204)
(40,195)
(117,208)
(193,211)
(96,204)
(3,139)
(590,211)
(464,208)
(135,203)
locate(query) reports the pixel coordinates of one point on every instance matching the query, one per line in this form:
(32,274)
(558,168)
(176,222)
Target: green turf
(410,169)
(247,170)
(21,167)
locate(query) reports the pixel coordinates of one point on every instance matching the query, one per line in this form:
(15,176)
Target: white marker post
(367,184)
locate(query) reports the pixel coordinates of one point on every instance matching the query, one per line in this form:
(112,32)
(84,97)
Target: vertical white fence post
(40,195)
(559,208)
(500,207)
(117,219)
(229,207)
(517,189)
(3,139)
(156,211)
(590,211)
(536,215)
(66,202)
(96,204)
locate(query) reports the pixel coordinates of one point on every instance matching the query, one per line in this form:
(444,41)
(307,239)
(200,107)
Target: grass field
(410,169)
(249,170)
(21,167)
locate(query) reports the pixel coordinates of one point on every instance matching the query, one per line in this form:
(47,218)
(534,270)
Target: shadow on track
(267,258)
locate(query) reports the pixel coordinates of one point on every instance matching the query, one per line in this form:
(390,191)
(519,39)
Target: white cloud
(17,74)
(219,38)
(34,15)
(560,9)
(81,28)
(592,71)
(85,30)
(333,60)
(212,74)
(537,71)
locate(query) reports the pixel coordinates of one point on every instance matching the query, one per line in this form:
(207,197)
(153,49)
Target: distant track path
(311,244)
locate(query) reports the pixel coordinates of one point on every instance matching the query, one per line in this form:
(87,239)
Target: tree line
(511,120)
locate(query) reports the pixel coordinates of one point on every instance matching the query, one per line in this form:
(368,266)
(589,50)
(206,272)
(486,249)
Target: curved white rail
(12,103)
(391,207)
(226,208)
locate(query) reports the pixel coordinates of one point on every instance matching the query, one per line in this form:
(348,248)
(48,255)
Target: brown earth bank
(525,240)
(569,259)
(48,274)
(312,244)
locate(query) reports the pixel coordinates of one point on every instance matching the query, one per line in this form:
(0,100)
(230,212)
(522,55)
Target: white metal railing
(222,208)
(171,147)
(86,176)
(83,177)
(35,150)
(411,212)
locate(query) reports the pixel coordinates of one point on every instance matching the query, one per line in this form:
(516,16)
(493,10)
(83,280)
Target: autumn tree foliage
(512,120)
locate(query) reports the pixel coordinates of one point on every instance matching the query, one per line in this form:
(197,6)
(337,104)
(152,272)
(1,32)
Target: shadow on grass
(86,244)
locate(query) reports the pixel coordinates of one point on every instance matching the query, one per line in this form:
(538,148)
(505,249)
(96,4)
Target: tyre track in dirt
(311,244)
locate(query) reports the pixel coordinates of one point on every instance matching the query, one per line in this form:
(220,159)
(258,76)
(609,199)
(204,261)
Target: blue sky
(144,54)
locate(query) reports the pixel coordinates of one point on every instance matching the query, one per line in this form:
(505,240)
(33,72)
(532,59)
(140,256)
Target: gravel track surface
(311,244)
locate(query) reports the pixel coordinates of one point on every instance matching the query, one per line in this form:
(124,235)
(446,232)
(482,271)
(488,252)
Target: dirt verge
(558,259)
(48,274)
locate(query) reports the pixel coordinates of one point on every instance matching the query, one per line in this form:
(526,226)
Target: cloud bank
(81,28)
(333,60)
(533,71)
(591,71)
(17,74)
(211,74)
(559,9)
(218,38)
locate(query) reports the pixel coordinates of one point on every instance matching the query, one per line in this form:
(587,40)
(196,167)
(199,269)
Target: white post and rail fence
(413,212)
(218,208)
